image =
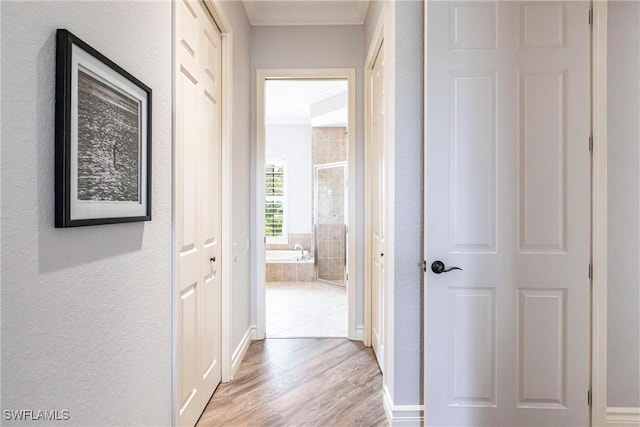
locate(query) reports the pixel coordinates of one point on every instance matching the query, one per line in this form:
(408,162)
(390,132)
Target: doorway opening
(306,152)
(306,207)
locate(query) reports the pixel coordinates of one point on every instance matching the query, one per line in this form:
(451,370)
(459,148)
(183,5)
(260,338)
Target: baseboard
(241,350)
(359,333)
(402,415)
(623,417)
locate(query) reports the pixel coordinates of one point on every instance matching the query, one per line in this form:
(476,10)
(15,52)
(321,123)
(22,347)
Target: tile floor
(305,310)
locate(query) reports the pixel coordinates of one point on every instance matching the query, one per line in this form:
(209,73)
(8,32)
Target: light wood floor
(301,382)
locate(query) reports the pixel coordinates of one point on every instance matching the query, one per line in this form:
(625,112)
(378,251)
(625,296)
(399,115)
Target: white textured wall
(241,165)
(409,117)
(340,46)
(86,318)
(294,142)
(623,327)
(407,384)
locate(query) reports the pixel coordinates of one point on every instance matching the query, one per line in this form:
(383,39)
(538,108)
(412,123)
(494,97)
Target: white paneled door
(508,201)
(197,207)
(377,183)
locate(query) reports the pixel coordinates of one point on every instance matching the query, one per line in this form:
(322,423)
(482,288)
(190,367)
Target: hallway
(294,382)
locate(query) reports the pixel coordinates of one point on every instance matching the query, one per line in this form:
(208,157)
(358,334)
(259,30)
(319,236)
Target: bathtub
(286,266)
(287,256)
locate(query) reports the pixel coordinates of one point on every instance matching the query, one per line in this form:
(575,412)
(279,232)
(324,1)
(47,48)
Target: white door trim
(599,216)
(384,32)
(376,42)
(401,415)
(220,18)
(389,81)
(622,417)
(425,106)
(599,211)
(289,74)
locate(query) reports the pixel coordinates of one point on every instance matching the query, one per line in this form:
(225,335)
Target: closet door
(198,207)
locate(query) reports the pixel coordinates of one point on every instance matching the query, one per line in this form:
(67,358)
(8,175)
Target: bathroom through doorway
(306,207)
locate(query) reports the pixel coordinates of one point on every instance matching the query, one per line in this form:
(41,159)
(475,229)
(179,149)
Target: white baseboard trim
(360,333)
(241,350)
(623,417)
(402,415)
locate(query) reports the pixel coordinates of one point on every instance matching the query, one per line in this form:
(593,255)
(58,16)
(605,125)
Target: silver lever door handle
(438,267)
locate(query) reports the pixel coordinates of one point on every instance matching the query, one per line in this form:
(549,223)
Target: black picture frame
(102,139)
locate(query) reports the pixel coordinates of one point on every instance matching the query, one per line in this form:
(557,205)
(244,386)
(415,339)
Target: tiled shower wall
(329,145)
(331,254)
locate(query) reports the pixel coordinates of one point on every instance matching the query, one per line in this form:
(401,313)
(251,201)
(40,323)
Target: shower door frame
(345,219)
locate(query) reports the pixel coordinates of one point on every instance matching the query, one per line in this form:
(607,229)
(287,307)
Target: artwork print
(108,136)
(103,139)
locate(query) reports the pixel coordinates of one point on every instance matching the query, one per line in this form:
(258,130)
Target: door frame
(385,32)
(598,212)
(224,25)
(262,75)
(372,53)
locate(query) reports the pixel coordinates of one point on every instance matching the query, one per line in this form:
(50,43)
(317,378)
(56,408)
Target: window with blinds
(275,202)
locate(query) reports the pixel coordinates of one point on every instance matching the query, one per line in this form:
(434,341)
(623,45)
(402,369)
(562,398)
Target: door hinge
(424,266)
(590,16)
(591,143)
(589,271)
(589,398)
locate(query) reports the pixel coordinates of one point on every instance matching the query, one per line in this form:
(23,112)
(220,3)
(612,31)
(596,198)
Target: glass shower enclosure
(330,231)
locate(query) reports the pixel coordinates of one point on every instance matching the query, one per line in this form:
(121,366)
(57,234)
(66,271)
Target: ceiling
(289,101)
(306,12)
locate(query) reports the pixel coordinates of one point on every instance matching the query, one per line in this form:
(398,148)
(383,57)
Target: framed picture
(103,139)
